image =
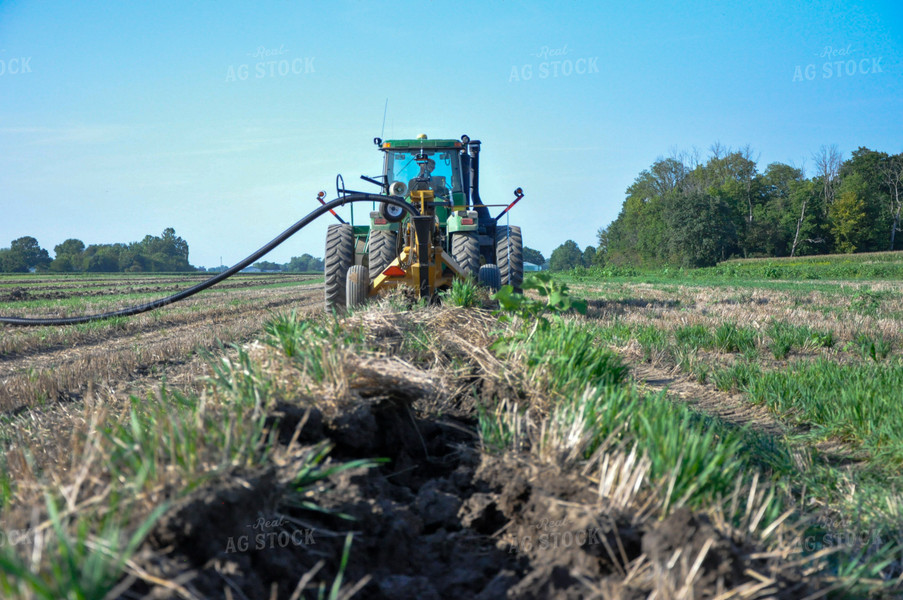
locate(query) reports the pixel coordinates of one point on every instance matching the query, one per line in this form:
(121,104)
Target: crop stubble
(38,365)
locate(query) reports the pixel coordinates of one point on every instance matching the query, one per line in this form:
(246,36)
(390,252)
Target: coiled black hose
(134,310)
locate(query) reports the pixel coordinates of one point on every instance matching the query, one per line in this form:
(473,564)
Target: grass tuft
(464,293)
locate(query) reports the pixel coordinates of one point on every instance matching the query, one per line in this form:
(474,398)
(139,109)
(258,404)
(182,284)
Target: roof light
(422,136)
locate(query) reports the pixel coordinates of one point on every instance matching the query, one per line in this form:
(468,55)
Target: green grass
(728,337)
(699,456)
(653,341)
(856,401)
(785,337)
(566,357)
(120,293)
(82,566)
(694,336)
(875,348)
(851,394)
(98,303)
(859,403)
(464,293)
(872,265)
(758,272)
(736,377)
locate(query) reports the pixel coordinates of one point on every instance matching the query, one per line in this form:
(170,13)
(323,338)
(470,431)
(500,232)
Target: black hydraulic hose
(134,310)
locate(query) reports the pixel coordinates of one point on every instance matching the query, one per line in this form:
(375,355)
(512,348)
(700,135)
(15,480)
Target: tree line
(166,252)
(305,263)
(688,212)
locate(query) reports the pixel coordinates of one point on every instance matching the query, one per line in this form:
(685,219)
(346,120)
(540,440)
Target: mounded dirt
(440,520)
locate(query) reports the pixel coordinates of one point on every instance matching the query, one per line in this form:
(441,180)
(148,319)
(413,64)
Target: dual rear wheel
(347,285)
(509,257)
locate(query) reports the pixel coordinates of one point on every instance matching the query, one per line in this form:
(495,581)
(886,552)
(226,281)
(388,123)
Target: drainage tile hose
(134,310)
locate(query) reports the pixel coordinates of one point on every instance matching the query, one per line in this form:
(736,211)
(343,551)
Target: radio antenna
(386,108)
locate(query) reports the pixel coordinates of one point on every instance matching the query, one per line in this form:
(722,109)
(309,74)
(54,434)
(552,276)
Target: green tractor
(454,235)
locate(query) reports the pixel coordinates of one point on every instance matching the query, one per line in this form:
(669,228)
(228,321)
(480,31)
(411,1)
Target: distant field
(871,265)
(39,364)
(831,267)
(862,257)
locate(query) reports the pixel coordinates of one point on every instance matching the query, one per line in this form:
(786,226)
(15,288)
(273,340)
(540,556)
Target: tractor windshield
(439,172)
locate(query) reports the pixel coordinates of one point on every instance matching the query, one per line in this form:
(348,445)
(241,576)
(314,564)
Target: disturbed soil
(440,520)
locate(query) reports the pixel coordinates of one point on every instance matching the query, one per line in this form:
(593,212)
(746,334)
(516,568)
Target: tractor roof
(421,143)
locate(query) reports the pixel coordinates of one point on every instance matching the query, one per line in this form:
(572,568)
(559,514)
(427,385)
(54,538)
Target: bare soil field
(406,451)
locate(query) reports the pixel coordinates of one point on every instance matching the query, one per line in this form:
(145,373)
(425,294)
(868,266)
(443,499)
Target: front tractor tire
(357,286)
(466,252)
(382,251)
(339,258)
(490,277)
(509,255)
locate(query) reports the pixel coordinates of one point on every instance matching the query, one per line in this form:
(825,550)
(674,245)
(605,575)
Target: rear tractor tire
(509,256)
(382,251)
(490,277)
(466,252)
(338,259)
(357,286)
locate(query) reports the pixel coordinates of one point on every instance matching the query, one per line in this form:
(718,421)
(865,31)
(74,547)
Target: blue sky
(223,120)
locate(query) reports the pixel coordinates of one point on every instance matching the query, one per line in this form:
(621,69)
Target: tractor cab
(422,164)
(436,170)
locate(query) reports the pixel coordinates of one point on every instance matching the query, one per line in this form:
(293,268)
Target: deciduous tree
(566,257)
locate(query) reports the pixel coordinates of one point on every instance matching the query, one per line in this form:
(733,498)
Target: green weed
(730,338)
(858,403)
(463,292)
(694,336)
